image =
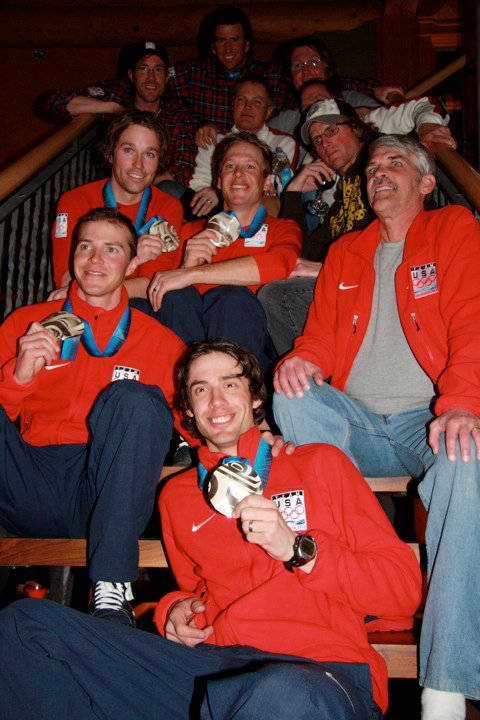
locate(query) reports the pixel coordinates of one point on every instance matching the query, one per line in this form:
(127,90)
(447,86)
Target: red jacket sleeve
(71,206)
(280,259)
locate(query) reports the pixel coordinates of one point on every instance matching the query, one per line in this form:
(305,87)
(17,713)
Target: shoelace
(111,596)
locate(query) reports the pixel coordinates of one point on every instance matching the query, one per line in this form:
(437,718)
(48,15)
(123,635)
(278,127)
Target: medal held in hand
(68,328)
(226,228)
(230,483)
(280,162)
(165,231)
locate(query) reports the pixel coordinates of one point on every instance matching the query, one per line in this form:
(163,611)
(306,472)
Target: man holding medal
(92,385)
(275,588)
(213,293)
(135,147)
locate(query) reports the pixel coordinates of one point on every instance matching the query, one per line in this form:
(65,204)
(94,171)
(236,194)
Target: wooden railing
(30,188)
(33,161)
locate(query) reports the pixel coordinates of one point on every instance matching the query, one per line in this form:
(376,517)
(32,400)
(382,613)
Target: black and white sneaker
(110,601)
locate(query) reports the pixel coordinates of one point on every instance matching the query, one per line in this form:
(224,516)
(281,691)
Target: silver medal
(64,324)
(226,229)
(231,483)
(165,231)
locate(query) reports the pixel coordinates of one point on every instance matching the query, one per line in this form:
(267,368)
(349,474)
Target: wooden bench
(399,648)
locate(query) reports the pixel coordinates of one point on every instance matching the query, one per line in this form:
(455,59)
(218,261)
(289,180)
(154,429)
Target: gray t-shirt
(386,377)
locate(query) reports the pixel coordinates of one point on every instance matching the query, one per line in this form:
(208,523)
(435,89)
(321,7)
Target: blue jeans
(286,304)
(63,664)
(397,444)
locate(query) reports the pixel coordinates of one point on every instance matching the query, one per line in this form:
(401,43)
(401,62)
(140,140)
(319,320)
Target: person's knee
(136,397)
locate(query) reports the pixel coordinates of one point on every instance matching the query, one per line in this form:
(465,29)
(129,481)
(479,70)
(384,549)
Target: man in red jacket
(394,327)
(135,147)
(271,615)
(95,428)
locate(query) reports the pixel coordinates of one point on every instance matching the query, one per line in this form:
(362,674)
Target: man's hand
(206,136)
(163,282)
(149,247)
(388,94)
(199,250)
(292,377)
(180,626)
(311,177)
(306,268)
(277,443)
(430,133)
(263,525)
(58,294)
(204,201)
(458,425)
(38,347)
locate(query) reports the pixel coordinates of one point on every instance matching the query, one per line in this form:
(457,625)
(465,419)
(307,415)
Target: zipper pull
(414,318)
(355,318)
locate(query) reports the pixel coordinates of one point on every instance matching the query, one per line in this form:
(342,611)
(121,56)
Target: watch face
(306,547)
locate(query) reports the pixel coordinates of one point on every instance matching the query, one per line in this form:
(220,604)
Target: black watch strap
(304,550)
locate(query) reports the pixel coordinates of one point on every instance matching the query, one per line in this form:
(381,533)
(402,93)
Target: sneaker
(110,601)
(182,457)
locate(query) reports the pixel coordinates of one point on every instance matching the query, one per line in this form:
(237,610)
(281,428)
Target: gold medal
(68,328)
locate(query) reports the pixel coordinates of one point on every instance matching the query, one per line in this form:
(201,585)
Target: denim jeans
(450,490)
(286,304)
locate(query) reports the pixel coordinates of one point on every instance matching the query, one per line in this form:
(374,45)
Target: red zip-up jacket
(362,568)
(438,299)
(54,406)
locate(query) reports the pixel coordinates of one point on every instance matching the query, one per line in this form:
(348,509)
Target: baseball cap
(326,112)
(144,48)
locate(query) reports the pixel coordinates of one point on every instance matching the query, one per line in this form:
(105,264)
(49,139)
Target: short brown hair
(126,120)
(250,369)
(226,144)
(112,216)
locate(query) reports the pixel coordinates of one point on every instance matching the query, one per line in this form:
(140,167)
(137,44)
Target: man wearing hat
(143,88)
(336,136)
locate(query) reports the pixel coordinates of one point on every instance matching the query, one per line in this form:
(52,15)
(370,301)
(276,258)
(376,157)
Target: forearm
(83,104)
(240,271)
(137,287)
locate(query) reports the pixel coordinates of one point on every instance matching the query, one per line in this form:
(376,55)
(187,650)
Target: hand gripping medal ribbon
(226,228)
(230,483)
(167,233)
(68,328)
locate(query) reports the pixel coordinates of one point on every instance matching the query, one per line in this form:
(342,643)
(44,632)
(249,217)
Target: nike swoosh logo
(197,527)
(346,287)
(55,367)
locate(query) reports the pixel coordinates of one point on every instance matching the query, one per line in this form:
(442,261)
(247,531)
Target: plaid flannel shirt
(207,88)
(178,119)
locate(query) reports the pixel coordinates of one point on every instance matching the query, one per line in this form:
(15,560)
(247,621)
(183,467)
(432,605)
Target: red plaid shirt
(207,88)
(178,119)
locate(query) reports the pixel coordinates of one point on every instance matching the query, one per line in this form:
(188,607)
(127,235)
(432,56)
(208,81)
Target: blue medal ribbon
(110,202)
(116,341)
(255,225)
(261,465)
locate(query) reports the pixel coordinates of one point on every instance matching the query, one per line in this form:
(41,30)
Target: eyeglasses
(312,62)
(329,132)
(146,69)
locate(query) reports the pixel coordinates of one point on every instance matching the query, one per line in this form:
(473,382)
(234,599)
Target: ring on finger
(250,526)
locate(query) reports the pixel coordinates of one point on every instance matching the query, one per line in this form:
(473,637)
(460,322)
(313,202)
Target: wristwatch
(304,550)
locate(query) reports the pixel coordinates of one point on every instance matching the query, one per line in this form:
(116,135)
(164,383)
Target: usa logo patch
(292,507)
(125,373)
(61,225)
(424,280)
